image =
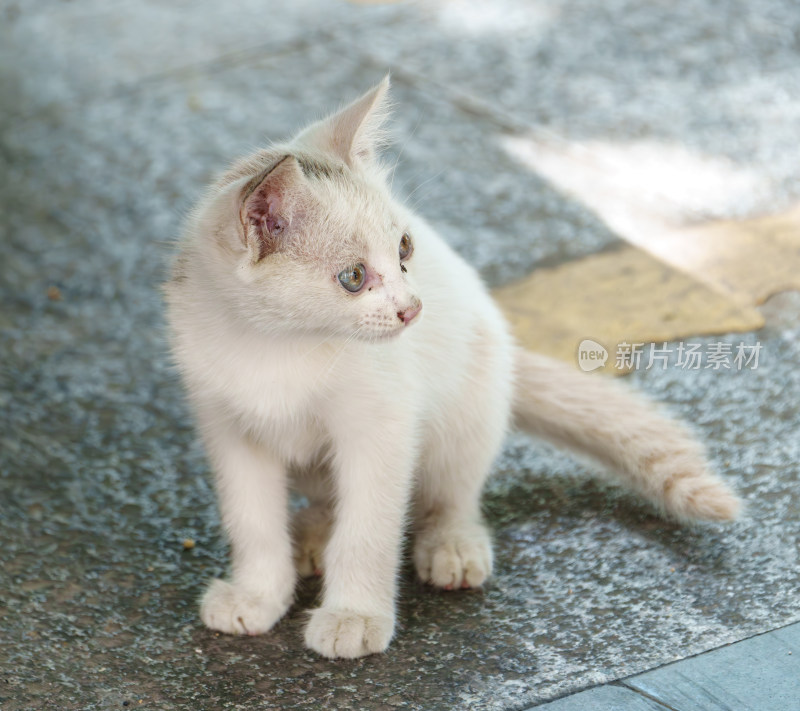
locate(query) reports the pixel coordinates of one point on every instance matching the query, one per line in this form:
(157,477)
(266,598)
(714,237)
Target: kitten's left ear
(270,204)
(355,132)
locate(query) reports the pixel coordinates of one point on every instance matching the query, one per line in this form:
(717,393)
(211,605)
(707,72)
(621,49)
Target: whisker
(402,148)
(422,185)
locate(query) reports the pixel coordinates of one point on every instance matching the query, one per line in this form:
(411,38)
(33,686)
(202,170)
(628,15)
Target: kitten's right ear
(355,132)
(271,203)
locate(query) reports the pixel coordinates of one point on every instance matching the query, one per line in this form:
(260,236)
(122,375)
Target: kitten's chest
(276,396)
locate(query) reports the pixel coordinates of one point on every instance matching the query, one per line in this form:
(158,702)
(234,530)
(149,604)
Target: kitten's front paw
(453,556)
(229,608)
(343,633)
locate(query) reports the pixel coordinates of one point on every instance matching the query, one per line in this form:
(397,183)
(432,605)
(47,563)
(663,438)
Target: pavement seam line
(648,696)
(625,680)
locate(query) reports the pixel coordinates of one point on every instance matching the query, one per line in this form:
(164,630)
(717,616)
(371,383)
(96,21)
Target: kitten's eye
(353,277)
(406,248)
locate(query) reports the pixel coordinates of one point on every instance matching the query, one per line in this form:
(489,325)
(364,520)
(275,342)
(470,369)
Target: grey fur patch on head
(314,168)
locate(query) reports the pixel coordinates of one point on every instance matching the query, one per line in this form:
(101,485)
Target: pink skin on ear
(262,213)
(265,212)
(268,208)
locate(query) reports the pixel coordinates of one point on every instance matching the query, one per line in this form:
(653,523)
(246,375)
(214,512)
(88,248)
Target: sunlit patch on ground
(688,272)
(624,295)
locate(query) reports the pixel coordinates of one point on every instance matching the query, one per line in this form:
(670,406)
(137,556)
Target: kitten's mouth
(386,334)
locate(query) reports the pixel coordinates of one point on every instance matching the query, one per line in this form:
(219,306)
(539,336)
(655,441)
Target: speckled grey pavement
(114,116)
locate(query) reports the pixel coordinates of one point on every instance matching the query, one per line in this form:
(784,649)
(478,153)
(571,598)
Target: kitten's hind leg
(452,547)
(311,529)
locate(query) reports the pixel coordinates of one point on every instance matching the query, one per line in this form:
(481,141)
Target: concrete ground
(620,171)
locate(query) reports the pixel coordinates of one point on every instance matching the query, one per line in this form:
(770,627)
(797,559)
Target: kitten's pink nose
(409,314)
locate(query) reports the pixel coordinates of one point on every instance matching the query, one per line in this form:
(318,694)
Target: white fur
(297,382)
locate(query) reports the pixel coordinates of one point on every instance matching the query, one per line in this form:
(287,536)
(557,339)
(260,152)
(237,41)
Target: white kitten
(330,340)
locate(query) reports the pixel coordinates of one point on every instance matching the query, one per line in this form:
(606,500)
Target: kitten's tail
(652,454)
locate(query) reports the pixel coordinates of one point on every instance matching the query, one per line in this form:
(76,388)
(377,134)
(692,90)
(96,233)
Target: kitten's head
(316,242)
